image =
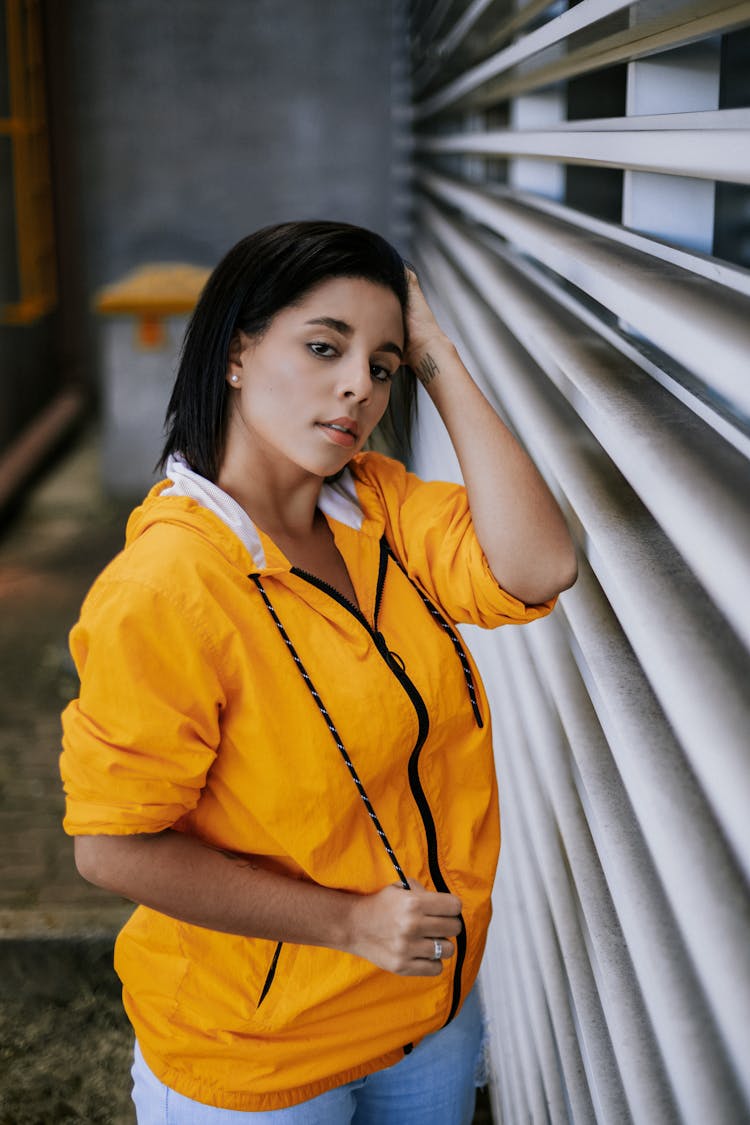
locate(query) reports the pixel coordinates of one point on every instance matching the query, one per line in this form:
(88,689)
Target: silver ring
(438,954)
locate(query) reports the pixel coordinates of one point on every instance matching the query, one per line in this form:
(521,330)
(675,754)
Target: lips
(342,431)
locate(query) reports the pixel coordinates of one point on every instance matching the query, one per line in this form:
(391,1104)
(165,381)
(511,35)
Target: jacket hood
(189,500)
(187,512)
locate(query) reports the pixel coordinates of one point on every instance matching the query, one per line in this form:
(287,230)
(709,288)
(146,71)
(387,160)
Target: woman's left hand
(426,337)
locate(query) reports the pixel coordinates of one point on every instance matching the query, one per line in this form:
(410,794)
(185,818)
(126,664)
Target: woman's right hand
(397,930)
(179,875)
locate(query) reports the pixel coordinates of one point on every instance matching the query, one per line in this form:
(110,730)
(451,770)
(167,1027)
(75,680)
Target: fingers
(444,948)
(420,960)
(438,904)
(435,919)
(438,896)
(423,330)
(411,933)
(436,926)
(424,963)
(415,293)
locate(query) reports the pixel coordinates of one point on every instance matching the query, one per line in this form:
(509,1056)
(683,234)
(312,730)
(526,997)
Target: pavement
(64,533)
(65,1044)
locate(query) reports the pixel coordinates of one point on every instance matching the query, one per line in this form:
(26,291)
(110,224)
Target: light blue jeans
(434,1085)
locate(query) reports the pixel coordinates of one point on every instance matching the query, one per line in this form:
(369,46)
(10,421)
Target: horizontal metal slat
(558,892)
(435,14)
(556,30)
(653,439)
(538,952)
(559,828)
(688,1037)
(661,33)
(436,53)
(707,416)
(701,120)
(667,984)
(542,936)
(671,817)
(512,924)
(718,154)
(705,328)
(461,28)
(702,1082)
(639,1058)
(505,1079)
(496,79)
(524,1091)
(518,1009)
(713,269)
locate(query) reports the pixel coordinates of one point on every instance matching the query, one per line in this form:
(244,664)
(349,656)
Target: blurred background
(572,181)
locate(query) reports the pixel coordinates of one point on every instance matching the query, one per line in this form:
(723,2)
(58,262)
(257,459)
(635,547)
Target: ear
(234,360)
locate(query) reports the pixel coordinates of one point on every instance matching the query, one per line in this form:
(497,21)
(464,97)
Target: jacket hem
(207,1094)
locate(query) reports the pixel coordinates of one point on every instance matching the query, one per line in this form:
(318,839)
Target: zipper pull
(392,658)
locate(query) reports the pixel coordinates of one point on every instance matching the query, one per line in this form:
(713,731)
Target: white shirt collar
(338,500)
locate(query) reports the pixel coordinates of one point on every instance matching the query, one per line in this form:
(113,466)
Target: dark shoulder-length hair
(263,274)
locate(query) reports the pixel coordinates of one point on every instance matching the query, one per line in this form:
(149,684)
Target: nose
(356,380)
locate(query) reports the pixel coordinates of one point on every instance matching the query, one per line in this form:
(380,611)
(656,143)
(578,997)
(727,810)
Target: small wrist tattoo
(426,370)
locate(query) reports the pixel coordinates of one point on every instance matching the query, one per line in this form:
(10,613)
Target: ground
(65,1044)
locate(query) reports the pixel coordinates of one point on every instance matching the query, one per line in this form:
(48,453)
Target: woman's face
(311,390)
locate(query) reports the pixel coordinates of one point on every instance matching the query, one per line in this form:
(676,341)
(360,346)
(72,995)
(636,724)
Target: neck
(282,503)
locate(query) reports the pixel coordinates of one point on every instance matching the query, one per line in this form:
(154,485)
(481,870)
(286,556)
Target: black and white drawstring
(334,733)
(450,631)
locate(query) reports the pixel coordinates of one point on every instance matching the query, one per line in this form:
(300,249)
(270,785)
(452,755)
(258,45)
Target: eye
(379,373)
(320,348)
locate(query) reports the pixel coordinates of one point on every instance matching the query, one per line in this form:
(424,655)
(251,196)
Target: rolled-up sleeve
(431,531)
(144,731)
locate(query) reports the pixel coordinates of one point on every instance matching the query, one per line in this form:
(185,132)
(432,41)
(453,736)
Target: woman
(281,749)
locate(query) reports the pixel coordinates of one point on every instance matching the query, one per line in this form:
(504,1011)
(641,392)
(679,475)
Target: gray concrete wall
(197,122)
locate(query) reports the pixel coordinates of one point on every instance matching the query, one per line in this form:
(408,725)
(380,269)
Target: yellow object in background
(151,293)
(32,185)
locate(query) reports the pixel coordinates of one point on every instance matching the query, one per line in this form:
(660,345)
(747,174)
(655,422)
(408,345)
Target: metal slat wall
(582,227)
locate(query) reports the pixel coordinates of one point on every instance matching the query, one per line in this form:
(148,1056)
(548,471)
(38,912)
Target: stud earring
(235,378)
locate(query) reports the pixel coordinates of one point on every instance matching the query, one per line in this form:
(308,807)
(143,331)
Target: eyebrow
(346,330)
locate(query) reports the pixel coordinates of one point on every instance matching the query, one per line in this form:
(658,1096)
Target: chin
(330,468)
(333,472)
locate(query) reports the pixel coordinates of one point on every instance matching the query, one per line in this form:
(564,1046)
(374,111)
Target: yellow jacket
(194,713)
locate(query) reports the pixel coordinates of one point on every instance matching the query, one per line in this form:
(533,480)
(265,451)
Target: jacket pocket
(270,974)
(224,979)
(306,978)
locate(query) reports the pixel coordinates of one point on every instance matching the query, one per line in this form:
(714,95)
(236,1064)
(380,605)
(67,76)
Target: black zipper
(423,718)
(447,628)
